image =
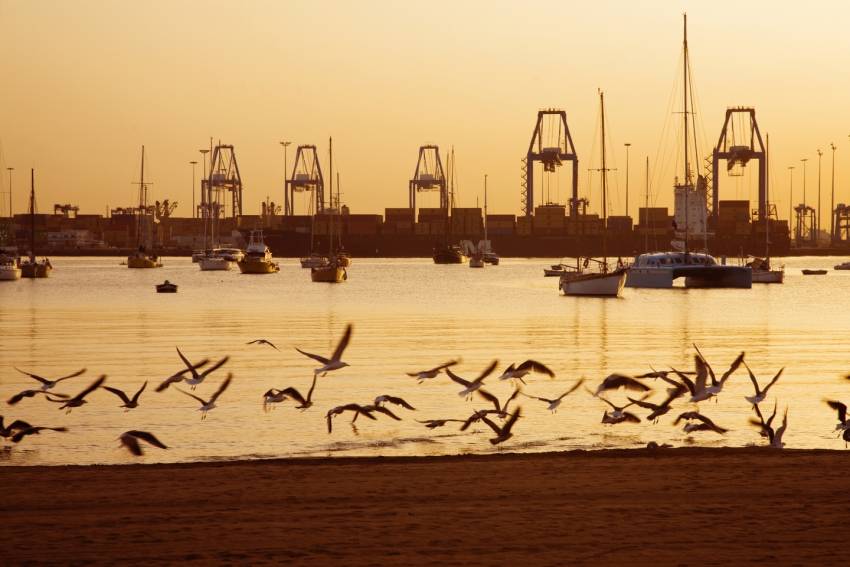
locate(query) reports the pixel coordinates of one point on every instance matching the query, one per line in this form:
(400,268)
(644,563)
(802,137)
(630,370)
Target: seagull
(435,423)
(518,372)
(697,387)
(664,375)
(660,409)
(843,423)
(423,375)
(379,409)
(356,408)
(30,393)
(334,362)
(773,435)
(16,438)
(617,414)
(130,439)
(760,393)
(79,399)
(717,385)
(625,417)
(47,384)
(503,433)
(501,410)
(470,387)
(385,399)
(276,396)
(556,402)
(262,342)
(18,424)
(129,403)
(198,378)
(180,376)
(207,405)
(616,381)
(705,423)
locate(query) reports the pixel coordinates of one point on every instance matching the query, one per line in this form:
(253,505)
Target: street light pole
(817,226)
(204,200)
(832,202)
(790,196)
(286,205)
(194,209)
(627,144)
(10,170)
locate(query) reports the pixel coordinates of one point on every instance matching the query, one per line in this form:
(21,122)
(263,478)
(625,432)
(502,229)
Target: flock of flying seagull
(690,387)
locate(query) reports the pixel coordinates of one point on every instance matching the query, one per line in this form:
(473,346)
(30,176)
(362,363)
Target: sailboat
(213,259)
(660,269)
(484,254)
(333,271)
(445,253)
(31,268)
(762,272)
(141,258)
(604,282)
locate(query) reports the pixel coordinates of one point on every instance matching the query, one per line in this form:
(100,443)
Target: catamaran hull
(599,285)
(695,276)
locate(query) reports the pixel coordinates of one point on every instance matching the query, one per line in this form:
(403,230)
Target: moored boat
(314,261)
(599,284)
(762,272)
(212,262)
(659,270)
(258,257)
(809,272)
(166,287)
(32,268)
(9,269)
(842,266)
(141,258)
(449,254)
(330,273)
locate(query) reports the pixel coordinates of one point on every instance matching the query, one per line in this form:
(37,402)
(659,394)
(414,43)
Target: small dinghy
(814,272)
(166,287)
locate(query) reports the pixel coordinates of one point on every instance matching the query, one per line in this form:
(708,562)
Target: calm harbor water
(408,315)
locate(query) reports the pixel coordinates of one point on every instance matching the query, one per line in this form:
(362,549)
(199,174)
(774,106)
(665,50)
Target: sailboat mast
(646,209)
(604,183)
(333,213)
(685,123)
(32,216)
(767,198)
(485,207)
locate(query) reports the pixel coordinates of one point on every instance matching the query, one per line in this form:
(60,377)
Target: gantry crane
(738,145)
(306,176)
(551,129)
(429,176)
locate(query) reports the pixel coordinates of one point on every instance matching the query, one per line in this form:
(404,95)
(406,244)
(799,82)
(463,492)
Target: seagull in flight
(129,403)
(79,399)
(705,423)
(46,383)
(356,408)
(435,423)
(471,386)
(16,425)
(196,377)
(843,423)
(16,438)
(423,375)
(617,413)
(335,361)
(262,342)
(130,440)
(31,393)
(501,409)
(518,372)
(180,376)
(617,381)
(761,393)
(717,385)
(625,417)
(773,435)
(503,433)
(660,409)
(556,402)
(385,399)
(275,396)
(207,405)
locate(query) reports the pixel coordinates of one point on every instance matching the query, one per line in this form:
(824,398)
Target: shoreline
(661,506)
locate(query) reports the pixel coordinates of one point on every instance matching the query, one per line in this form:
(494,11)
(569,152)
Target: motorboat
(449,254)
(258,257)
(762,272)
(9,269)
(814,272)
(555,270)
(842,266)
(166,287)
(660,269)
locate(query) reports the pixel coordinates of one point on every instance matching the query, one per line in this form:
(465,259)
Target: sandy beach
(669,506)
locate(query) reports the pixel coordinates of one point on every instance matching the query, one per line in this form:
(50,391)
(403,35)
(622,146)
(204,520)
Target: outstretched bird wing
(221,388)
(535,366)
(707,366)
(315,357)
(490,398)
(458,379)
(772,382)
(343,343)
(132,444)
(118,393)
(397,401)
(732,368)
(33,376)
(840,408)
(202,401)
(685,381)
(575,387)
(214,367)
(149,437)
(487,371)
(74,375)
(385,411)
(511,421)
(291,392)
(139,393)
(91,388)
(188,364)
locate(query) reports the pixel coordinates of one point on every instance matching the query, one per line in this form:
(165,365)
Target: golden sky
(87,82)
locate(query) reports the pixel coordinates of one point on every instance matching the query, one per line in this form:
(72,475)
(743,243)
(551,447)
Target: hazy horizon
(89,82)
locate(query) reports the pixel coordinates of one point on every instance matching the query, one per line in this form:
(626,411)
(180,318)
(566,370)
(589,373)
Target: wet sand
(689,505)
